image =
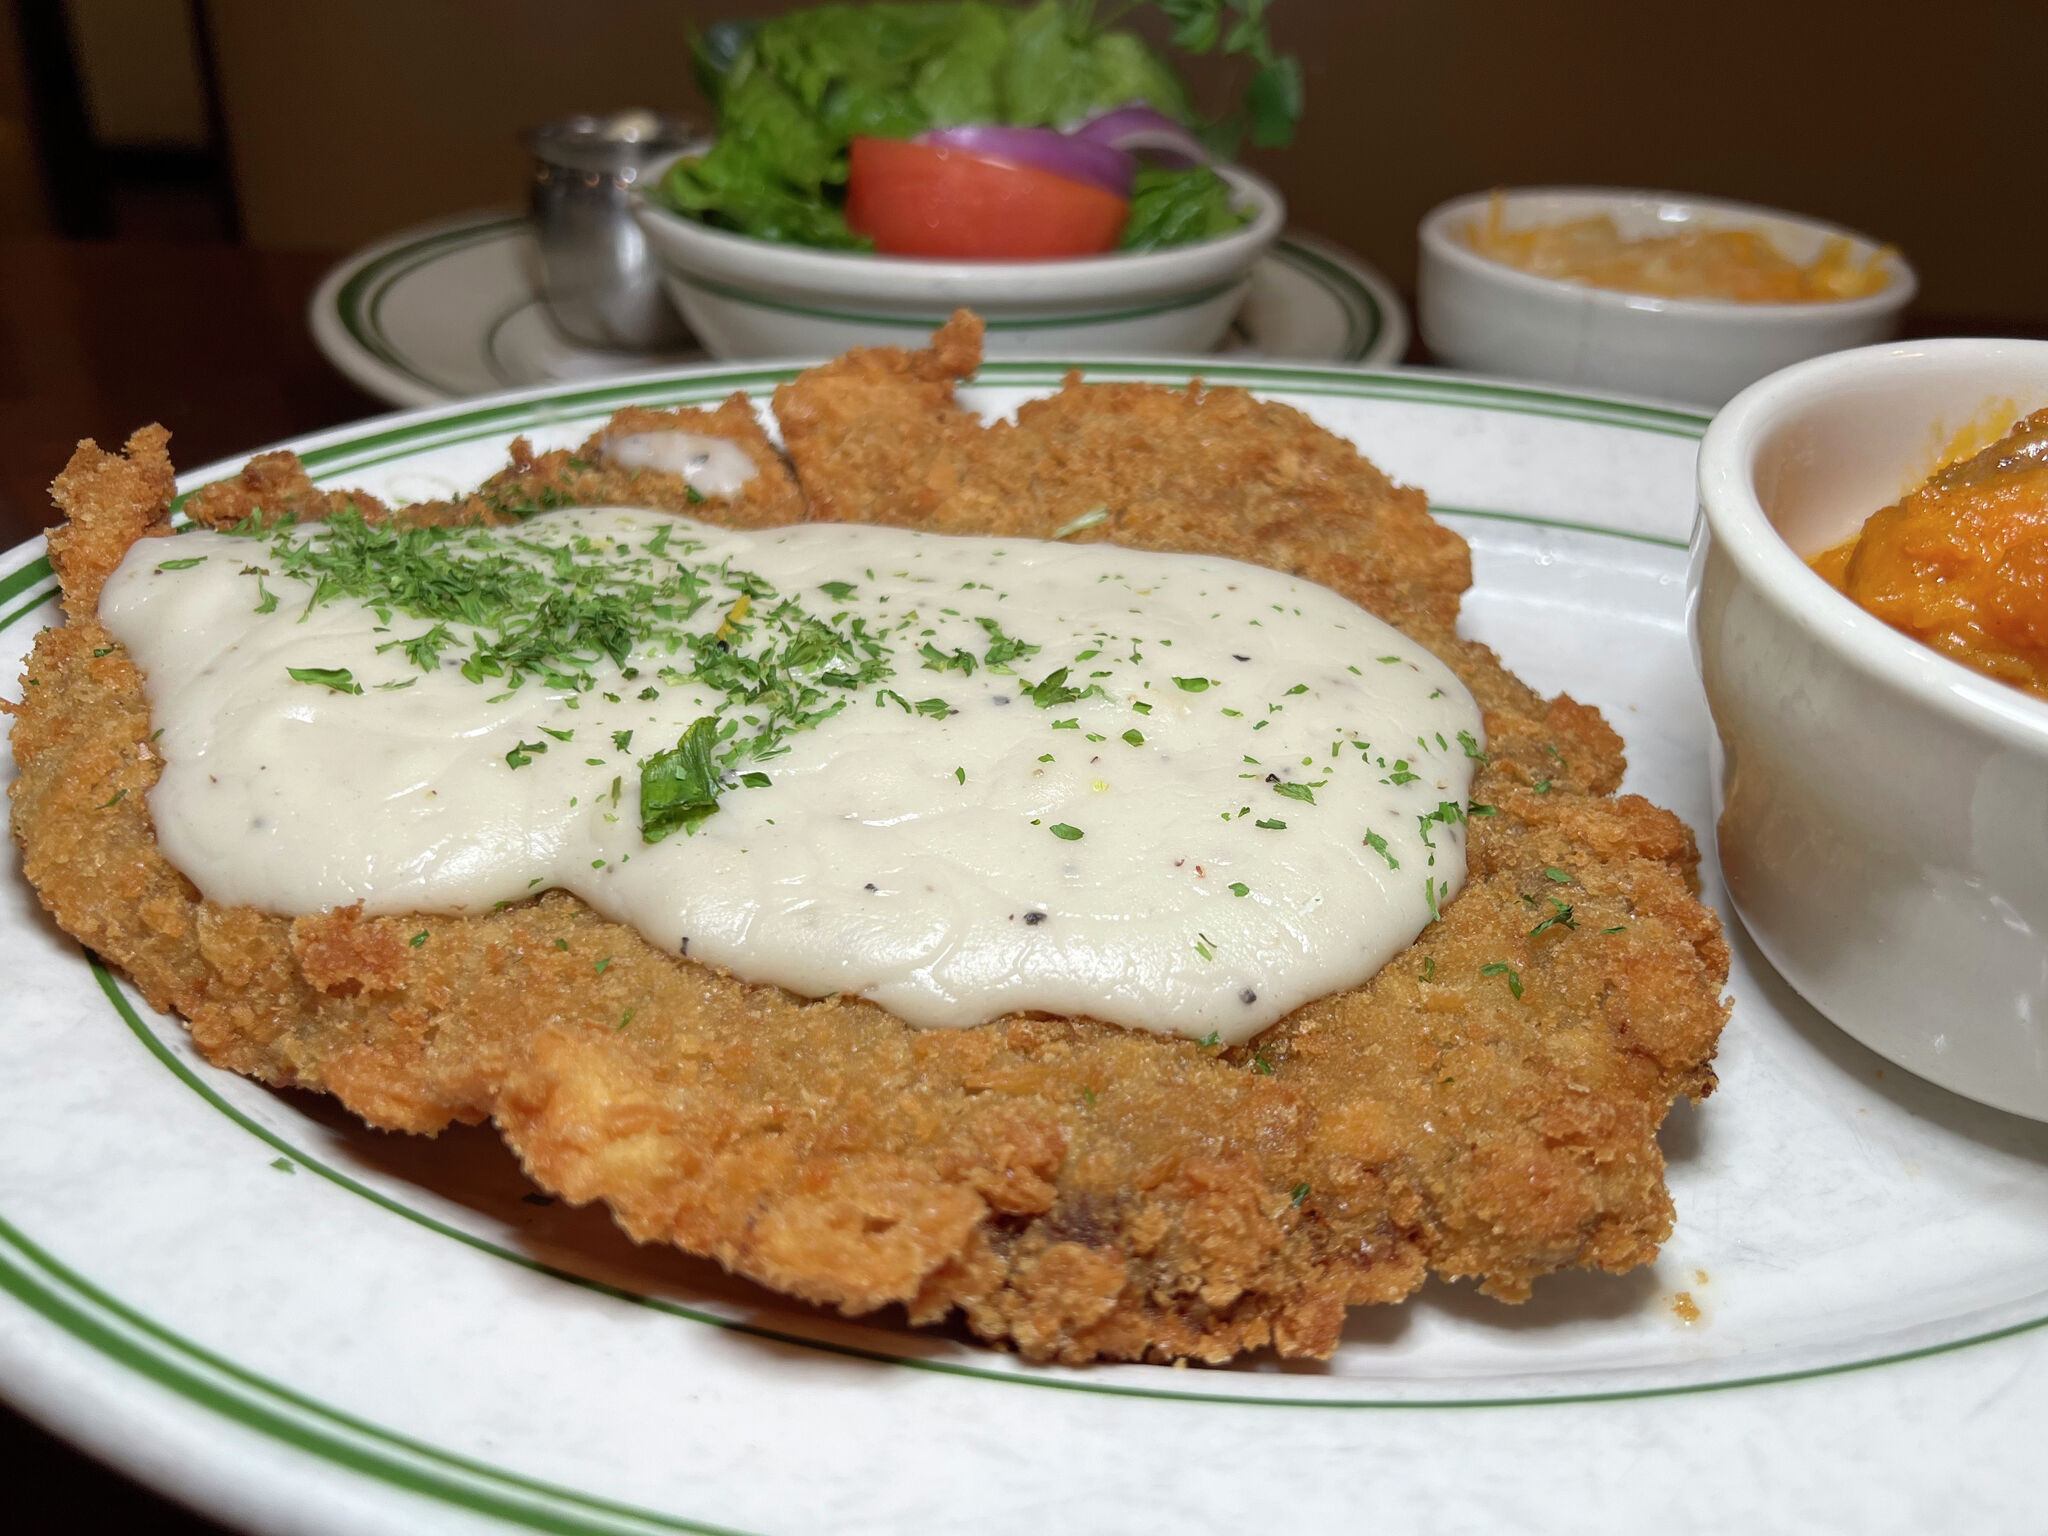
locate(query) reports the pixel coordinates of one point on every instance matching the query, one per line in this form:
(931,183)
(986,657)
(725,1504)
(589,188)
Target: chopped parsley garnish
(1378,845)
(1471,745)
(1502,968)
(1301,1192)
(1552,872)
(1271,826)
(1239,888)
(419,938)
(1561,918)
(1193,684)
(1299,792)
(936,660)
(522,753)
(1054,690)
(181,565)
(1135,737)
(1002,649)
(340,679)
(1065,833)
(838,591)
(680,787)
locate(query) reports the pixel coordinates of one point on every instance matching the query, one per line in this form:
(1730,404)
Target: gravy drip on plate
(959,776)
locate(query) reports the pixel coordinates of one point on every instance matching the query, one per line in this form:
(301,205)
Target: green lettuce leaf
(1175,207)
(793,91)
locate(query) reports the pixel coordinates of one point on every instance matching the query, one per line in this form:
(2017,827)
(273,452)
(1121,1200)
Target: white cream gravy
(1230,825)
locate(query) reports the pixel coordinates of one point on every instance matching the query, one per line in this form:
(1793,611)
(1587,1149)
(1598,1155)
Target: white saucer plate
(451,310)
(296,1324)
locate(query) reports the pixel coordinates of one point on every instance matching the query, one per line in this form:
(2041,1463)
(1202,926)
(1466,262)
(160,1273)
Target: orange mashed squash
(1961,564)
(1741,265)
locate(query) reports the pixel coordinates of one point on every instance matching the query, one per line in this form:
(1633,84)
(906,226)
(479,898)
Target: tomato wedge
(932,200)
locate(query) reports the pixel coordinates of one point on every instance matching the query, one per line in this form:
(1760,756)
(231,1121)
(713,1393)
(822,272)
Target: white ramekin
(1481,314)
(756,298)
(1882,811)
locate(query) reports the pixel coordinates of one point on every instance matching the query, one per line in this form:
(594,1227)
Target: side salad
(974,128)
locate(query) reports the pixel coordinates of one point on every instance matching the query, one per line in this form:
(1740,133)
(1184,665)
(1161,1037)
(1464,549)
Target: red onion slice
(1043,149)
(1140,129)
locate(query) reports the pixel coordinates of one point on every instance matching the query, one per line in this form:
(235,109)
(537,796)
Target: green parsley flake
(339,679)
(1065,833)
(1239,888)
(1502,968)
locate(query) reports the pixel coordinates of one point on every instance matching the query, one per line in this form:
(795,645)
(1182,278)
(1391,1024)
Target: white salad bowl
(1882,810)
(1482,314)
(745,297)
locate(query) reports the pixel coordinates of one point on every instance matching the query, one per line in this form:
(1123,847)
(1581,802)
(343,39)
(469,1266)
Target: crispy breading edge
(1076,1189)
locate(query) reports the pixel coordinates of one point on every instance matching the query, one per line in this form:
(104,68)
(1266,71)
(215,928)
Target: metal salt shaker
(601,283)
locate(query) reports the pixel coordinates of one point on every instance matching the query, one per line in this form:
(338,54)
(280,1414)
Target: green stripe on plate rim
(931,322)
(1363,318)
(462,423)
(131,1339)
(359,303)
(33,574)
(1022,1376)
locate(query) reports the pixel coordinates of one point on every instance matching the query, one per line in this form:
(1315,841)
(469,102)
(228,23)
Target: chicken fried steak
(1486,1106)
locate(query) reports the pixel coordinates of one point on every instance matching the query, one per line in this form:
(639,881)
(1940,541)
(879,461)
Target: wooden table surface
(97,339)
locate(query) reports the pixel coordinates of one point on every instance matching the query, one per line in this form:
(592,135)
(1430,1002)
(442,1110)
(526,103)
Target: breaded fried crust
(1075,1189)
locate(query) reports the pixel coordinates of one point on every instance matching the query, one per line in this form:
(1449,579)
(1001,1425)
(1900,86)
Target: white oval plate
(450,310)
(250,1301)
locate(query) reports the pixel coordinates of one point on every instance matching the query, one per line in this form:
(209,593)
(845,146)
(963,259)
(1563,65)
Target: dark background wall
(345,119)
